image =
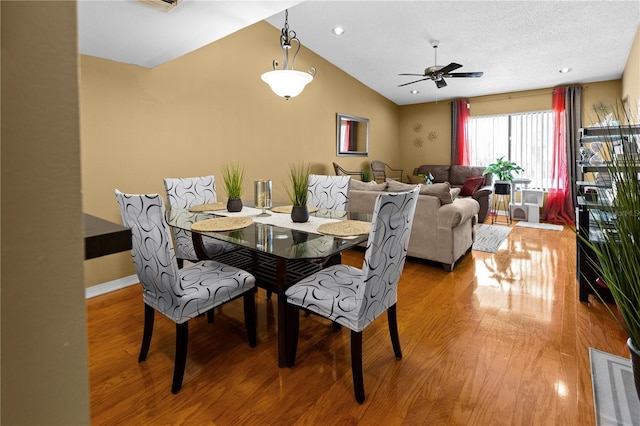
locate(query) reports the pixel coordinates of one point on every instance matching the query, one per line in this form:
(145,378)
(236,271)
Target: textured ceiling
(519,45)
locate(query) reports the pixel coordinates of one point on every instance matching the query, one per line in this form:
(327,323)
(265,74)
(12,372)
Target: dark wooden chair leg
(182,337)
(210,316)
(269,292)
(180,263)
(149,314)
(356,365)
(250,317)
(336,326)
(293,325)
(393,330)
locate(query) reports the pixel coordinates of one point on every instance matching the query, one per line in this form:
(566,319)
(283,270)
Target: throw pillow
(395,186)
(367,186)
(471,185)
(440,190)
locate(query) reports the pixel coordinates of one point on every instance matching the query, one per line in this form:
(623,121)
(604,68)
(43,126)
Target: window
(526,139)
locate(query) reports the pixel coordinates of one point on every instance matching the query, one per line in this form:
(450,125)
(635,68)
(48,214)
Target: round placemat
(222,224)
(287,209)
(346,228)
(210,207)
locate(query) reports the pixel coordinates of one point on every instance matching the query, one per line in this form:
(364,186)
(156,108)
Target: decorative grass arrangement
(299,181)
(233,177)
(617,254)
(366,174)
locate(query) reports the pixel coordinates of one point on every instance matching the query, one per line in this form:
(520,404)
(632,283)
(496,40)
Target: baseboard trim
(104,288)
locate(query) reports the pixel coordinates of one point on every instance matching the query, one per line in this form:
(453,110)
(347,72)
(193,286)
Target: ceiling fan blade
(464,74)
(447,69)
(405,84)
(417,75)
(441,83)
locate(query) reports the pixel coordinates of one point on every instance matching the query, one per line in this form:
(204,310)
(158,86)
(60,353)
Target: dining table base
(275,274)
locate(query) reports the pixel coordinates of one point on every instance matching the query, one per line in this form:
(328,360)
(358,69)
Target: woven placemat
(222,224)
(287,209)
(346,228)
(210,207)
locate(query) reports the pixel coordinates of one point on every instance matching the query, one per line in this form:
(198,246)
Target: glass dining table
(275,250)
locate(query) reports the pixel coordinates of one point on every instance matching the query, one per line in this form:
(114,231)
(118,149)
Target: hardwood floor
(501,340)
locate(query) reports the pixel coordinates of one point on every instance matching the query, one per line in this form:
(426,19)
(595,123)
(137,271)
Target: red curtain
(559,207)
(461,141)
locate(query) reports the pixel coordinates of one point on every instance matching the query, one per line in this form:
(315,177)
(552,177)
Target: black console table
(102,237)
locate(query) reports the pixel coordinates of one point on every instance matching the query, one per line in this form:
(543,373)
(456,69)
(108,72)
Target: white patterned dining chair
(354,297)
(328,192)
(183,193)
(179,294)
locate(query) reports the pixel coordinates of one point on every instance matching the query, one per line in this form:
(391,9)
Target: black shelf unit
(587,209)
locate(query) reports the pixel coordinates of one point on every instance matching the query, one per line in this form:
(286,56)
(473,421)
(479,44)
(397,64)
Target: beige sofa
(457,177)
(443,226)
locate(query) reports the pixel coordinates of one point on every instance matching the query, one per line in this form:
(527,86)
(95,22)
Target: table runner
(280,219)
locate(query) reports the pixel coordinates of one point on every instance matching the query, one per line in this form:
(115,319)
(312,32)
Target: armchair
(379,170)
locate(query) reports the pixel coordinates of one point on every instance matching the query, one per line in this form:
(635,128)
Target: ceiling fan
(438,72)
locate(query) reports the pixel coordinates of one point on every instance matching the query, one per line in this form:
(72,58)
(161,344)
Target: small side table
(502,195)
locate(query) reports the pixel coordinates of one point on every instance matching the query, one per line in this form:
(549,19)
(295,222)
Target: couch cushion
(367,186)
(395,186)
(440,190)
(471,185)
(458,174)
(440,173)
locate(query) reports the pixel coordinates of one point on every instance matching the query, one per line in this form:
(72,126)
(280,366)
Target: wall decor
(432,136)
(417,142)
(417,127)
(352,135)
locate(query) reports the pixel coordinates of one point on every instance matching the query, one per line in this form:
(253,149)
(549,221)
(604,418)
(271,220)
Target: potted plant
(503,170)
(428,178)
(616,255)
(366,174)
(298,192)
(233,176)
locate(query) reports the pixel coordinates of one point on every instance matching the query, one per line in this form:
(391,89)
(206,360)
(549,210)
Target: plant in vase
(503,171)
(298,192)
(233,176)
(617,221)
(366,174)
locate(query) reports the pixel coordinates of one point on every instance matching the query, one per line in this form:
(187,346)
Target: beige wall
(44,344)
(631,75)
(188,116)
(419,121)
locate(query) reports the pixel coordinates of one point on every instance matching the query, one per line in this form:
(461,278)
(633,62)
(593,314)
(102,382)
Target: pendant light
(288,82)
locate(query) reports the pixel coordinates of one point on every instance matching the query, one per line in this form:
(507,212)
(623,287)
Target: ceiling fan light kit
(288,82)
(437,73)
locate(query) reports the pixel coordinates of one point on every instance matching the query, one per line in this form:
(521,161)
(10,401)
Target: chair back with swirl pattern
(386,252)
(329,192)
(152,249)
(183,193)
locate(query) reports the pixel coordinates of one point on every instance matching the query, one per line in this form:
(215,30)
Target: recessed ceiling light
(565,70)
(338,30)
(414,92)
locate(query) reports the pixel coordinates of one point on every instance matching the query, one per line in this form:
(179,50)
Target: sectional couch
(460,177)
(443,225)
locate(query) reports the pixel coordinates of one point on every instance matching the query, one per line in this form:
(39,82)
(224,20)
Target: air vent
(162,4)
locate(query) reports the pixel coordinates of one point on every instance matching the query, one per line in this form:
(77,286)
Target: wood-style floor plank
(501,340)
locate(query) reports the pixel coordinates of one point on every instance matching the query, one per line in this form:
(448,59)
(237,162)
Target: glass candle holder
(262,195)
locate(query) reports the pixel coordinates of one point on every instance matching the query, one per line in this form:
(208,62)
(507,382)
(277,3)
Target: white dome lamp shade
(288,82)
